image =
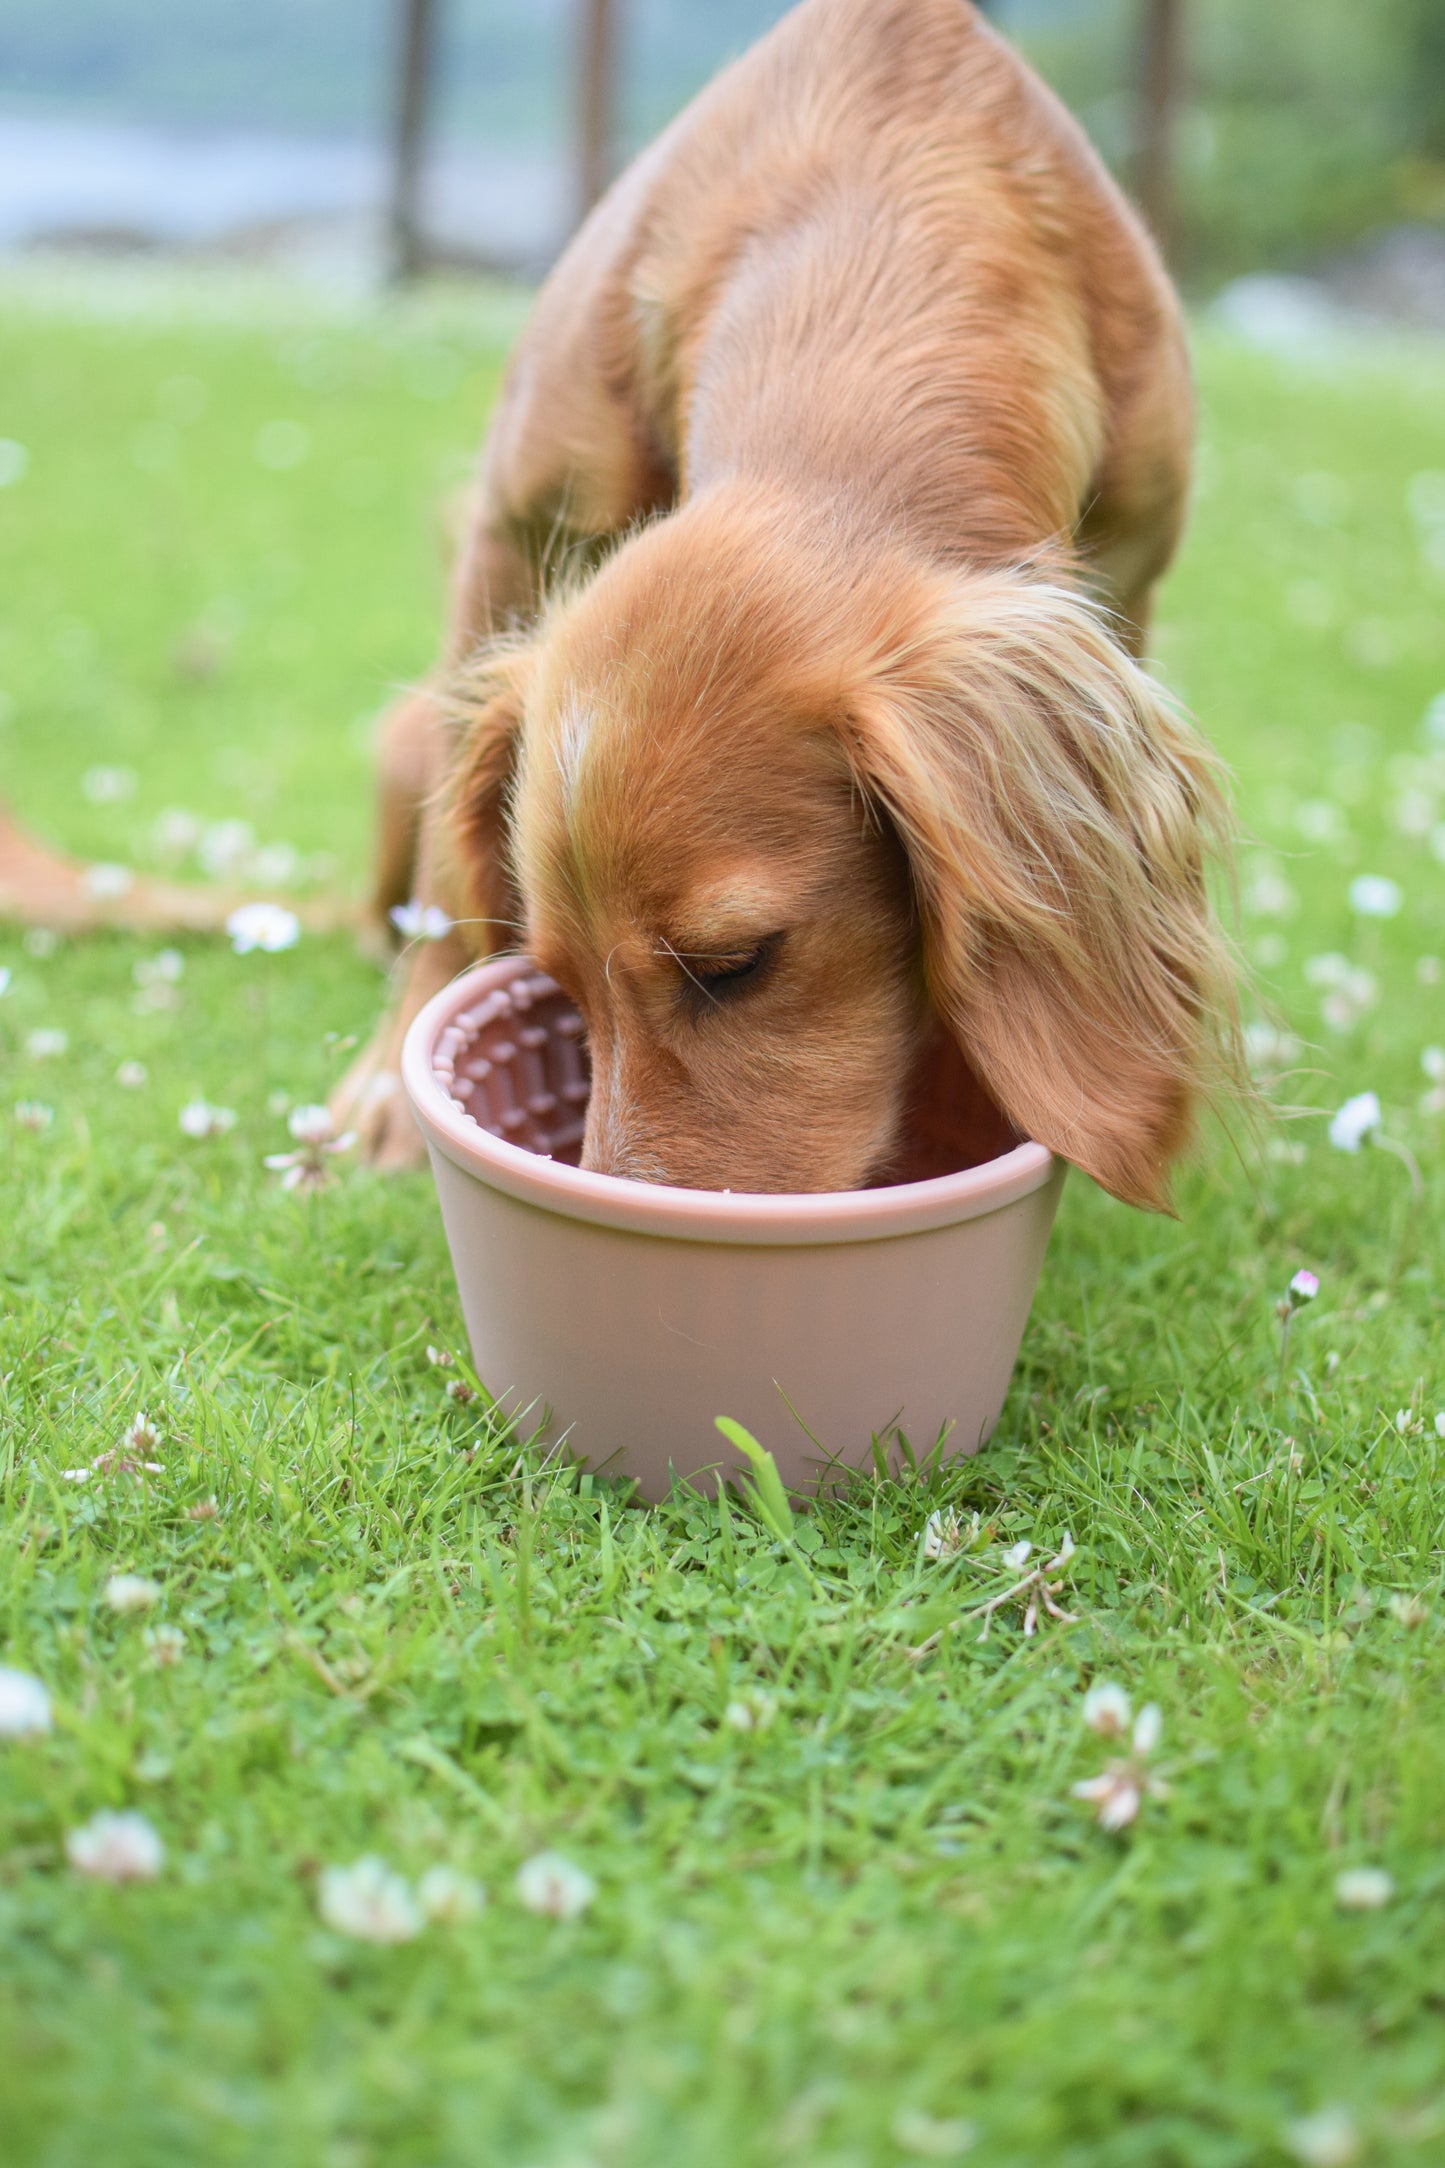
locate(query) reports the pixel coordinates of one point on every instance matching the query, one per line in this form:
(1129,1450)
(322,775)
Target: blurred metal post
(596,100)
(1161,93)
(406,246)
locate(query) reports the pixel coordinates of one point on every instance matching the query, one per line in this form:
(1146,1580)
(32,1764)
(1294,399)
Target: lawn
(846,1909)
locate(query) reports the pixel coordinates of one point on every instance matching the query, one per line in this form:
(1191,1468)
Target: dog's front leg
(369,1098)
(408,871)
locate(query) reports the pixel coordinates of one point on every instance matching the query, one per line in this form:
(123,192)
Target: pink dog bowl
(627,1316)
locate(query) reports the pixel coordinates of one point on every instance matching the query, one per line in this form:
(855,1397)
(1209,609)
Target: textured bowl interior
(516,1063)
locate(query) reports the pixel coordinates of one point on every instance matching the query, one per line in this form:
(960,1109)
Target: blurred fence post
(1160,78)
(415,46)
(596,100)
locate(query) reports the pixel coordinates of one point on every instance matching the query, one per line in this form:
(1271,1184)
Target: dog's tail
(42,887)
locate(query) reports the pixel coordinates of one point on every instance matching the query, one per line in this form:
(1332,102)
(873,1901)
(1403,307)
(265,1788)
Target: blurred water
(168,188)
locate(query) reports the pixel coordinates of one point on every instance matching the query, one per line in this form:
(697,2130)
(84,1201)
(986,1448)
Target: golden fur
(790,708)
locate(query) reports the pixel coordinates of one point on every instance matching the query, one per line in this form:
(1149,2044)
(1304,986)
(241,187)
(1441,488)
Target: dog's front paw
(386,1129)
(369,1101)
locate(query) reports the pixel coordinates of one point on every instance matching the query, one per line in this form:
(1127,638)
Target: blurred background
(261,264)
(365,138)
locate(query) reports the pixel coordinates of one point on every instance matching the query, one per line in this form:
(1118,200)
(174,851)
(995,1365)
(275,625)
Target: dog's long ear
(1056,810)
(484,700)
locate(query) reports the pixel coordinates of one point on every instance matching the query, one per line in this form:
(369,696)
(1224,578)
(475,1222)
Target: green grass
(839,1938)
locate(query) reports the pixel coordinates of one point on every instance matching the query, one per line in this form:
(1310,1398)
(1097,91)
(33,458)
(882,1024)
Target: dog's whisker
(667,949)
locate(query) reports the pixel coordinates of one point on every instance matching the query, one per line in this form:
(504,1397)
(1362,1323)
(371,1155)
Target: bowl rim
(692,1215)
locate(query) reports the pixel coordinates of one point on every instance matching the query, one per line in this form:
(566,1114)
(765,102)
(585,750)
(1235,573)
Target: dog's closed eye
(724,978)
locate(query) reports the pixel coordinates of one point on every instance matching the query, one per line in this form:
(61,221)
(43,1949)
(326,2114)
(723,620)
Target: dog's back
(876,248)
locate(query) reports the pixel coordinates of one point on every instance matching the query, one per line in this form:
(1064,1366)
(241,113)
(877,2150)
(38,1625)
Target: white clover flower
(1320,820)
(440,1358)
(1117,1792)
(1414,813)
(750,1712)
(311,1124)
(198,1118)
(33,1114)
(132,1076)
(1374,895)
(143,1435)
(131,1592)
(115,1848)
(1148,1729)
(46,1043)
(1363,1889)
(156,984)
(276,865)
(24,1705)
(1432,1061)
(1120,1789)
(450,1898)
(1328,2139)
(1348,988)
(118,1462)
(166,1644)
(166,968)
(369,1902)
(554,1887)
(1331,969)
(416,921)
(225,848)
(1268,894)
(1108,1710)
(1357,1120)
(175,832)
(941,1536)
(1407,1611)
(1017,1556)
(108,786)
(105,881)
(314,1130)
(267,926)
(127,1458)
(934,2137)
(1267,1048)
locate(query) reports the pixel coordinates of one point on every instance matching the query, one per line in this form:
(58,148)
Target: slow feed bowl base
(630,1315)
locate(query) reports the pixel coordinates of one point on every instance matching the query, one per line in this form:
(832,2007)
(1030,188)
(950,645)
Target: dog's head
(772,823)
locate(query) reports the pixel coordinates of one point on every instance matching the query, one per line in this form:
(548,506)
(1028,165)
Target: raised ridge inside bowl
(516,1063)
